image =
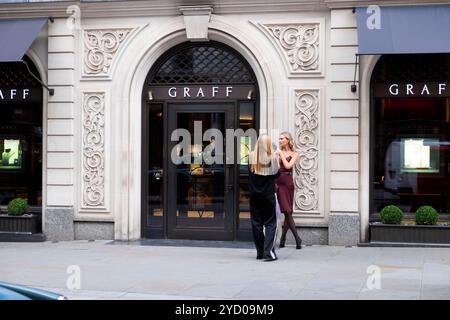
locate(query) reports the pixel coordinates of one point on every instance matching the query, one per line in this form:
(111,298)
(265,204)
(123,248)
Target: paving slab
(155,271)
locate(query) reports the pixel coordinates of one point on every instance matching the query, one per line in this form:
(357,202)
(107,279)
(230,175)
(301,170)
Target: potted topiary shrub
(391,215)
(18,207)
(18,221)
(426,229)
(426,215)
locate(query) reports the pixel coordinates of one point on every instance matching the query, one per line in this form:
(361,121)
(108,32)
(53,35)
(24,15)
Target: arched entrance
(194,181)
(410,133)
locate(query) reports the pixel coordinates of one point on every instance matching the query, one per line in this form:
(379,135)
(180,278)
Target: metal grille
(413,68)
(15,74)
(200,64)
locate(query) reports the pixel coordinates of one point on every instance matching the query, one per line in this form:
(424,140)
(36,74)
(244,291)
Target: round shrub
(17,207)
(426,215)
(391,215)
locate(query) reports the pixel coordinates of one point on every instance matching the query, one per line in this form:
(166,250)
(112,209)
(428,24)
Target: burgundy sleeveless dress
(285,188)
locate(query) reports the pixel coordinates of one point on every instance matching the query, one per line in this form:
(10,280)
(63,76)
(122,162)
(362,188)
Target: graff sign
(19,95)
(409,90)
(201,92)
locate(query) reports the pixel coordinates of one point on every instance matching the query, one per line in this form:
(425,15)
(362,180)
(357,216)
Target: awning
(16,36)
(404,29)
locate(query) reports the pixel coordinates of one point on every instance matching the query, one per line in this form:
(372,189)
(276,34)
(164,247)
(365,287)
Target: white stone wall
(309,97)
(343,134)
(59,135)
(143,40)
(60,116)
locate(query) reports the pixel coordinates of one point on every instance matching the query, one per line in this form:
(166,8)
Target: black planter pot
(26,224)
(437,234)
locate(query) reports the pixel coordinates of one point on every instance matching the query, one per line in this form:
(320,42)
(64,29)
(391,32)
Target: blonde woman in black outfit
(263,168)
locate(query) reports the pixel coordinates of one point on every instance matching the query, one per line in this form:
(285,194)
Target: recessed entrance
(194,181)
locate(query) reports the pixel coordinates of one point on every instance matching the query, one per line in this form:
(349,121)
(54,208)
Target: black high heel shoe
(299,244)
(282,241)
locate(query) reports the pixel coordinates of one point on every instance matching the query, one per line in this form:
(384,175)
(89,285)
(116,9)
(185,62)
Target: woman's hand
(289,164)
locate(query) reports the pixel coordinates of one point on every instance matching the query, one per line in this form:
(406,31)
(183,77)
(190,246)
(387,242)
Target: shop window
(20,134)
(411,133)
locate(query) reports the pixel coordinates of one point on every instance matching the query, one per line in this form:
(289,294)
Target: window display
(420,155)
(11,153)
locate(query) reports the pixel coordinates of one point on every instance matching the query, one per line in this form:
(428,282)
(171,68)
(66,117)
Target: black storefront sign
(206,92)
(412,89)
(20,95)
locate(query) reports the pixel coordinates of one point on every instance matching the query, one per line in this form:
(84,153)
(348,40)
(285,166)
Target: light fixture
(150,95)
(249,95)
(353,87)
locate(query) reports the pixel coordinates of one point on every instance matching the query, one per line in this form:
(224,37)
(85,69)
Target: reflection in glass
(200,182)
(244,147)
(155,198)
(246,121)
(411,154)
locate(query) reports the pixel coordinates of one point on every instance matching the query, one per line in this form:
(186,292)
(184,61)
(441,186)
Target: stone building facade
(97,57)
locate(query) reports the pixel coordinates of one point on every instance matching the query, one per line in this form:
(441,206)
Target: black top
(263,185)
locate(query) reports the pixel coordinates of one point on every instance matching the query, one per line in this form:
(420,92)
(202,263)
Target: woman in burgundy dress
(285,186)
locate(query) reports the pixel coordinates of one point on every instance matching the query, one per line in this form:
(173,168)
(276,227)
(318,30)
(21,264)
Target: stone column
(344,219)
(59,210)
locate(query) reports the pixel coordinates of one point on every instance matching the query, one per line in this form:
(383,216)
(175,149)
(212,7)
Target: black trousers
(264,224)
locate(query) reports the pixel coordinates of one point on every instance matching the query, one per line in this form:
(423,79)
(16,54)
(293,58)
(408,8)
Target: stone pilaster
(58,216)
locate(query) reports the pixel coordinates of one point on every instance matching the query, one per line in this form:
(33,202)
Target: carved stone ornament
(100,47)
(299,43)
(93,146)
(306,142)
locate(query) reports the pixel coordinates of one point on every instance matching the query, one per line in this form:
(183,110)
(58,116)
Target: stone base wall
(94,230)
(309,236)
(343,229)
(58,224)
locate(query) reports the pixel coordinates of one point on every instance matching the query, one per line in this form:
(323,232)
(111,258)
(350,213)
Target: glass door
(200,193)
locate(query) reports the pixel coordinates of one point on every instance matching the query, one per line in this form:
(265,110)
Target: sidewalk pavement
(132,271)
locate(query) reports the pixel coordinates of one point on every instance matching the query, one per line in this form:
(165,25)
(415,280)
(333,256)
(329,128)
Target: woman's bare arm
(289,164)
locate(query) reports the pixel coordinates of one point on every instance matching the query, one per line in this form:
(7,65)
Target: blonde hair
(288,136)
(262,159)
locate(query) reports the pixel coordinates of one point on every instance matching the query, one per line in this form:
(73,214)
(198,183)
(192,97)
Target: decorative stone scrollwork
(306,142)
(300,45)
(100,47)
(93,147)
